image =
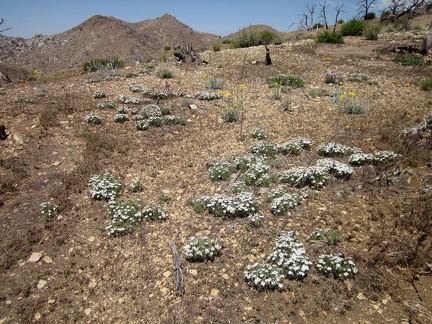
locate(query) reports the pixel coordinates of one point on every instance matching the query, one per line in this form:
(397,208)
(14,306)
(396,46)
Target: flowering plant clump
(338,169)
(331,77)
(156,121)
(289,148)
(125,214)
(259,134)
(284,204)
(243,161)
(315,177)
(289,256)
(122,110)
(49,209)
(384,157)
(202,248)
(107,104)
(141,125)
(99,94)
(338,266)
(257,172)
(263,276)
(255,220)
(240,205)
(274,193)
(205,95)
(150,111)
(129,100)
(358,159)
(93,118)
(220,170)
(136,184)
(121,118)
(285,80)
(104,187)
(174,120)
(334,149)
(264,148)
(303,142)
(155,212)
(327,236)
(136,88)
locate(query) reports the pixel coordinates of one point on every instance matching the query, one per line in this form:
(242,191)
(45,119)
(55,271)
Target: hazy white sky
(223,17)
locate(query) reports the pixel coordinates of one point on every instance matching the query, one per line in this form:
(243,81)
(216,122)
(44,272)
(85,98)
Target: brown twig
(178,272)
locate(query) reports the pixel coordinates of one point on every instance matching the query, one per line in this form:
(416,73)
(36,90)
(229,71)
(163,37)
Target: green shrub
(285,80)
(102,63)
(402,24)
(426,84)
(353,27)
(164,74)
(202,248)
(414,60)
(330,38)
(370,16)
(267,37)
(216,47)
(371,32)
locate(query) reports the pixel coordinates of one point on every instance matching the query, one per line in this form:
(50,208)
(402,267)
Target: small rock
(87,311)
(56,163)
(167,274)
(41,284)
(18,139)
(164,290)
(51,301)
(34,257)
(47,259)
(193,107)
(193,272)
(91,239)
(214,292)
(361,296)
(37,316)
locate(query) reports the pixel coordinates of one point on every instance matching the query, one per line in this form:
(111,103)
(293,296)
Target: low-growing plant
(122,110)
(174,120)
(230,114)
(130,100)
(125,215)
(205,95)
(49,209)
(318,92)
(25,99)
(202,248)
(338,266)
(358,159)
(315,177)
(164,74)
(264,148)
(371,32)
(255,220)
(426,84)
(352,107)
(156,121)
(414,60)
(93,118)
(284,204)
(220,170)
(259,134)
(333,78)
(150,111)
(285,80)
(289,148)
(326,236)
(99,94)
(353,27)
(102,63)
(289,255)
(332,149)
(327,37)
(256,172)
(338,169)
(121,118)
(136,88)
(107,104)
(136,185)
(141,125)
(216,83)
(104,187)
(263,277)
(155,212)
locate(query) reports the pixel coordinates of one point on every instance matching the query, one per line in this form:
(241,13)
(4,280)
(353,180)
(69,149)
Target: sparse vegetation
(330,38)
(353,27)
(102,63)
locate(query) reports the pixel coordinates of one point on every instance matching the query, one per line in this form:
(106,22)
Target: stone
(34,257)
(41,283)
(47,259)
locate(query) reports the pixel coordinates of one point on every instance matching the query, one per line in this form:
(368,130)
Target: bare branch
(1,23)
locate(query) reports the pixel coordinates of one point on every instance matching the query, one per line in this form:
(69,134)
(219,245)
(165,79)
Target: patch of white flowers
(151,111)
(141,125)
(255,220)
(256,172)
(289,256)
(338,169)
(49,209)
(202,248)
(121,118)
(259,134)
(264,148)
(93,118)
(124,217)
(334,149)
(136,88)
(314,176)
(104,187)
(220,170)
(99,94)
(240,205)
(205,95)
(155,212)
(136,184)
(289,148)
(263,276)
(338,266)
(129,100)
(107,104)
(359,159)
(284,204)
(385,156)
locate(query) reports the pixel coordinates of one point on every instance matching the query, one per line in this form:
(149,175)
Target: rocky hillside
(98,37)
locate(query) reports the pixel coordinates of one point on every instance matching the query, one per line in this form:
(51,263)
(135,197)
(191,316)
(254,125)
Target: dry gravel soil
(79,274)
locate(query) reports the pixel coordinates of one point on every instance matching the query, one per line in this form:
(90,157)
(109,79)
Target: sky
(27,18)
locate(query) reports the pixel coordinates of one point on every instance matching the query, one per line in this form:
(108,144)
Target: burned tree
(268,58)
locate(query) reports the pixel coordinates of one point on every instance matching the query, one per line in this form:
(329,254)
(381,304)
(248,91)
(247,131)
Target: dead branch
(233,180)
(178,272)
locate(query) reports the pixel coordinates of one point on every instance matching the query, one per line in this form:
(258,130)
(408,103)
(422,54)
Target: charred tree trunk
(268,58)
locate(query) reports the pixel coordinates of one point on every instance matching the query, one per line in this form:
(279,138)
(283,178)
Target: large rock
(427,42)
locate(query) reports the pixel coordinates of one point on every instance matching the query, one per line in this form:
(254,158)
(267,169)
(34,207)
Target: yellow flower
(241,85)
(210,77)
(289,71)
(226,74)
(352,94)
(35,71)
(278,71)
(224,108)
(342,96)
(276,84)
(204,63)
(220,92)
(235,107)
(363,91)
(327,58)
(204,76)
(227,94)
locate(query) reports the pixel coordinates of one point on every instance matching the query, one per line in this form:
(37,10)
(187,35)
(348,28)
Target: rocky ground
(67,269)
